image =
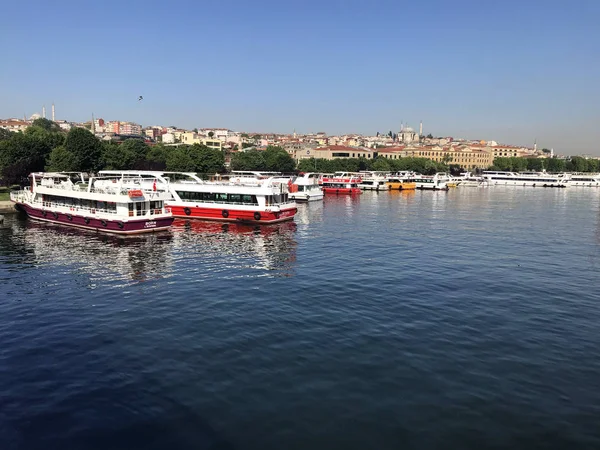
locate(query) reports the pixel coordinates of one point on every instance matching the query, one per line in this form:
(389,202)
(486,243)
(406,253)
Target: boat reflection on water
(105,257)
(222,247)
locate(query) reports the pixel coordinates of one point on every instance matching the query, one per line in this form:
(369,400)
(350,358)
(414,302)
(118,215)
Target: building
(465,156)
(408,136)
(14,125)
(221,134)
(118,127)
(334,152)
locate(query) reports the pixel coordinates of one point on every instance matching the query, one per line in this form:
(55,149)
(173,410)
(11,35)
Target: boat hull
(303,198)
(98,224)
(341,191)
(227,214)
(402,186)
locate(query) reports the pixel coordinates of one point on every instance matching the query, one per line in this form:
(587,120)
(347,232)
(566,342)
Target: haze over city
(512,72)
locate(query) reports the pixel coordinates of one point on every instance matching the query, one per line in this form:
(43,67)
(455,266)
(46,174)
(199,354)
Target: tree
(46,124)
(157,157)
(380,163)
(211,134)
(26,152)
(207,160)
(61,160)
(5,134)
(535,164)
(430,136)
(248,160)
(137,150)
(195,130)
(179,160)
(115,157)
(86,149)
(277,159)
(546,150)
(556,165)
(577,164)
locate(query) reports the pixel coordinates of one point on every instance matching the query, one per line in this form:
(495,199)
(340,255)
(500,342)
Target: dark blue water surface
(466,319)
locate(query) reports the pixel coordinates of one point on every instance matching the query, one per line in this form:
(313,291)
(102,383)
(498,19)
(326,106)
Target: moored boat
(306,188)
(341,183)
(533,179)
(101,204)
(584,179)
(431,182)
(240,199)
(401,181)
(373,181)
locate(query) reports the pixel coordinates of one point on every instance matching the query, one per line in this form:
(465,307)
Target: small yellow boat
(401,184)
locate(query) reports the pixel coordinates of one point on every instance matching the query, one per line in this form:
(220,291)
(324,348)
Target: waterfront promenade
(6,206)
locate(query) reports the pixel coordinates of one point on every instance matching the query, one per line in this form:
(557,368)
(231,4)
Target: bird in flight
(140,98)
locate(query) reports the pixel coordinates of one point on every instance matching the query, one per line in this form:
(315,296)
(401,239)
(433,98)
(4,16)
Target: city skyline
(512,73)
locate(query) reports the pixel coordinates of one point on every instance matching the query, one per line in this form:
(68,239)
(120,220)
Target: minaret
(535,145)
(53,112)
(421,128)
(93,127)
(44,111)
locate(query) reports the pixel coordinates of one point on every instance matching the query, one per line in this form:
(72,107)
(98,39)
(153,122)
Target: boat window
(236,198)
(221,197)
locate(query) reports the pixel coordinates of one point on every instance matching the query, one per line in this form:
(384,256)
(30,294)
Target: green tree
(46,124)
(248,160)
(24,153)
(277,159)
(116,157)
(381,163)
(138,151)
(211,134)
(157,157)
(556,165)
(61,160)
(86,149)
(593,165)
(179,160)
(535,164)
(195,130)
(208,160)
(577,164)
(5,134)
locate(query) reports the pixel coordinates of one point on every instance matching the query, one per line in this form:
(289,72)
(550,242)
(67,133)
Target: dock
(7,207)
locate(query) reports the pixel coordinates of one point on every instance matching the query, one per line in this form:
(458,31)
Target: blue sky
(512,71)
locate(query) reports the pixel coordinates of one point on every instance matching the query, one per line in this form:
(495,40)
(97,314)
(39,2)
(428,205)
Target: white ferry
(306,188)
(534,179)
(467,179)
(103,204)
(584,179)
(433,182)
(373,181)
(241,199)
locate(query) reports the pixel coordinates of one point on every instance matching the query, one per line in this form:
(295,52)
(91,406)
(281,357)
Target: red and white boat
(99,203)
(341,183)
(241,199)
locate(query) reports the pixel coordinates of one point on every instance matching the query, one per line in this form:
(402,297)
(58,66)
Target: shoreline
(7,207)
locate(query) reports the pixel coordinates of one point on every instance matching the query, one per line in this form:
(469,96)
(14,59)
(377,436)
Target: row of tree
(421,165)
(554,165)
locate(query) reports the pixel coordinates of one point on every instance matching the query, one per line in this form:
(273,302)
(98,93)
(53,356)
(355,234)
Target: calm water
(466,319)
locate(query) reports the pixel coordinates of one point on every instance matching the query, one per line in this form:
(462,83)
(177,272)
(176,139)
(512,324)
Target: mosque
(407,135)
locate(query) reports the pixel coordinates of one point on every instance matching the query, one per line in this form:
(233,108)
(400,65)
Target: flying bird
(140,98)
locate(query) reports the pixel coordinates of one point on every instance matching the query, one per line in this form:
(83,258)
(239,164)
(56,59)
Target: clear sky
(510,71)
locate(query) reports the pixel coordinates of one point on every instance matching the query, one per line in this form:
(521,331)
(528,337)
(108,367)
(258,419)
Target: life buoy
(69,217)
(257,216)
(86,220)
(120,224)
(103,222)
(225,213)
(187,211)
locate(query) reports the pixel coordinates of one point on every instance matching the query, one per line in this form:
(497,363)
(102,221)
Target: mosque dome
(408,130)
(35,116)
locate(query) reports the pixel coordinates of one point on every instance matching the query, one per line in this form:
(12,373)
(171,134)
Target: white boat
(534,179)
(240,199)
(467,179)
(105,204)
(584,179)
(306,188)
(433,182)
(373,181)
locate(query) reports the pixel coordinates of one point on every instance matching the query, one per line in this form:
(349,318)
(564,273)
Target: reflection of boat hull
(204,226)
(233,215)
(304,197)
(100,224)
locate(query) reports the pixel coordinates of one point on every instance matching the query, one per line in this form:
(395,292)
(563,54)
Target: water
(466,319)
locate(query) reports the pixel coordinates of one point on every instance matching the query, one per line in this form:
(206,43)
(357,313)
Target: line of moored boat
(131,202)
